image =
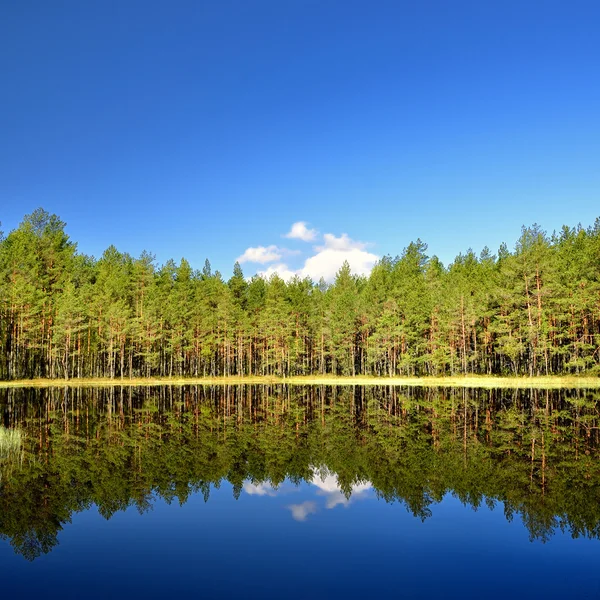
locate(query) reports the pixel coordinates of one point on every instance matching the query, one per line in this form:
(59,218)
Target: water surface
(306,492)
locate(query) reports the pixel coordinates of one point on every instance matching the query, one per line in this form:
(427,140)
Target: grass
(469,381)
(11,441)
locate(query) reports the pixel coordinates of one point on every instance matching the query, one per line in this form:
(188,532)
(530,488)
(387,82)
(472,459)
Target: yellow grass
(10,442)
(470,381)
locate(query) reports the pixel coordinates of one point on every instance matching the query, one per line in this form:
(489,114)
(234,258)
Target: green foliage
(533,311)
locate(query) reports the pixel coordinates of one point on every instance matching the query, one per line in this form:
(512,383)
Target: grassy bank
(472,381)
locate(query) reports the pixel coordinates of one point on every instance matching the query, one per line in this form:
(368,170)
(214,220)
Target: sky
(294,135)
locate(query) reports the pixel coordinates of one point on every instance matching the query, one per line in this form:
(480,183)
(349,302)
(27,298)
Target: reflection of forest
(535,451)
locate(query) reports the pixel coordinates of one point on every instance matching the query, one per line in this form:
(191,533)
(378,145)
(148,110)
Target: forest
(533,310)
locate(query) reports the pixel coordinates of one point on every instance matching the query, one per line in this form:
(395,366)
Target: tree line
(531,311)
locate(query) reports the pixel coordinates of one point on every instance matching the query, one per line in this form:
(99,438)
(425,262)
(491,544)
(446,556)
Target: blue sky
(203,129)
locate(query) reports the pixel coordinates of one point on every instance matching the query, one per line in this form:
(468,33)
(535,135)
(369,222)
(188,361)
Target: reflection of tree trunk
(532,460)
(543,466)
(465,426)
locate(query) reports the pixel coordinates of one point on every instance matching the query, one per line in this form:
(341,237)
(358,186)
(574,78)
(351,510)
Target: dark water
(300,493)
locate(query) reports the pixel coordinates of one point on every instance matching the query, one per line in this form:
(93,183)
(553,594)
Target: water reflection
(536,452)
(325,487)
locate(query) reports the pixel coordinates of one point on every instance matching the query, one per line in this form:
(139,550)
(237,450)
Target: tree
(535,310)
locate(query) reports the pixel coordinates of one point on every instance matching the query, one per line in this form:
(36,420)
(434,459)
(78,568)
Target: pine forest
(533,310)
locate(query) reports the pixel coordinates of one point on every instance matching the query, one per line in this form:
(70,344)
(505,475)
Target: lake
(299,492)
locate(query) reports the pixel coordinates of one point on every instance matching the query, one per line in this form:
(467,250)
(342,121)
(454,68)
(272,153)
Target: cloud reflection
(301,511)
(328,485)
(259,489)
(328,492)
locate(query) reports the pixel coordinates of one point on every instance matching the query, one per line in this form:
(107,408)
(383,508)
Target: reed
(11,442)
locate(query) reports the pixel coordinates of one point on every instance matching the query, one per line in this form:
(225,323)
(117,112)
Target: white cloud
(281,269)
(301,511)
(324,263)
(300,231)
(328,262)
(261,254)
(341,244)
(330,257)
(260,489)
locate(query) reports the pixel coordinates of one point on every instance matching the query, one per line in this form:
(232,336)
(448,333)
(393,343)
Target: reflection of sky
(324,492)
(259,489)
(301,511)
(227,547)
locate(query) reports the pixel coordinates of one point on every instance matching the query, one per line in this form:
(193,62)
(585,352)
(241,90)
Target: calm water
(300,493)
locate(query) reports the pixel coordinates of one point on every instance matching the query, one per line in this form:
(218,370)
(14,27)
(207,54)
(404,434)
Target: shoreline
(468,381)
